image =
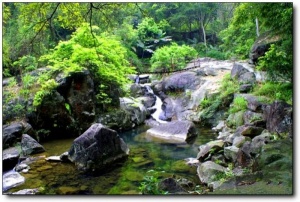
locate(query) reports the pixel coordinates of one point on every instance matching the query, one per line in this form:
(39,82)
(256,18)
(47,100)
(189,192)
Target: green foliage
(150,184)
(68,108)
(101,54)
(275,91)
(46,89)
(277,62)
(239,104)
(26,63)
(224,176)
(173,57)
(209,105)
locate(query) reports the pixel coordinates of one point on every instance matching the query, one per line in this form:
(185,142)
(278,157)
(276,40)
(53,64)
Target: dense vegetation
(110,39)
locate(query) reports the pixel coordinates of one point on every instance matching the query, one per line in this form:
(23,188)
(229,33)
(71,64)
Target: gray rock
(181,81)
(245,88)
(209,148)
(12,133)
(174,132)
(26,192)
(171,186)
(11,179)
(10,157)
(168,109)
(21,167)
(30,145)
(136,110)
(235,120)
(98,148)
(249,131)
(238,141)
(230,153)
(279,117)
(220,126)
(119,120)
(136,90)
(237,71)
(247,78)
(252,117)
(244,155)
(207,170)
(259,141)
(254,103)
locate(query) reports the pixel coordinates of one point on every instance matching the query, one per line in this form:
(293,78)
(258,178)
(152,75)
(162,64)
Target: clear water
(145,155)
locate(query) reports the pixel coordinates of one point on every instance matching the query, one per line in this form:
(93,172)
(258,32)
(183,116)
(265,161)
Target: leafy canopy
(100,53)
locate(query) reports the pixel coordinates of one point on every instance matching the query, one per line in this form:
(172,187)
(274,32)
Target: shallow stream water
(145,155)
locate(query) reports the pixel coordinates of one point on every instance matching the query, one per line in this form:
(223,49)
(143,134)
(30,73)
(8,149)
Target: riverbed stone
(171,186)
(10,157)
(249,131)
(174,132)
(209,148)
(12,179)
(98,148)
(207,170)
(181,81)
(11,134)
(260,140)
(30,145)
(27,192)
(230,153)
(136,110)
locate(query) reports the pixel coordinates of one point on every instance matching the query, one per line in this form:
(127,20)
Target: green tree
(100,53)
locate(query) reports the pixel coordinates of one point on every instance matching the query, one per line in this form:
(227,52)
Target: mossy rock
(235,120)
(133,176)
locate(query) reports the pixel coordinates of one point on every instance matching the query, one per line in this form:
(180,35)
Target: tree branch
(45,22)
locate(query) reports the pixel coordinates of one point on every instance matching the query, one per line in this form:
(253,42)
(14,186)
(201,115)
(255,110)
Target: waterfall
(157,106)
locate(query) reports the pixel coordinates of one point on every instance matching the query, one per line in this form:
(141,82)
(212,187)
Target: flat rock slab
(174,132)
(12,179)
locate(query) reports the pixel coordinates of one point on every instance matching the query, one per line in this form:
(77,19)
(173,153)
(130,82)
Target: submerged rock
(98,148)
(26,192)
(174,132)
(171,186)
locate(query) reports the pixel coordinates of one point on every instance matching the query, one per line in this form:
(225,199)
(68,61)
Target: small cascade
(157,106)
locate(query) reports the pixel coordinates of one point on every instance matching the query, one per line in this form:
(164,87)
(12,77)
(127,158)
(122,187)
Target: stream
(145,155)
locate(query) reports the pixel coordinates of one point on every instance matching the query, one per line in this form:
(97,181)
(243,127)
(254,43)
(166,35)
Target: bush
(25,64)
(239,104)
(275,91)
(100,53)
(173,57)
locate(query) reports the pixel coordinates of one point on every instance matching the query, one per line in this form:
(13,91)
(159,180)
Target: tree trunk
(204,34)
(257,27)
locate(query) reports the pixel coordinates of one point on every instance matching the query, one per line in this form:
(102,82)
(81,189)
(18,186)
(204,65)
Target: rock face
(174,132)
(30,145)
(70,109)
(278,116)
(98,148)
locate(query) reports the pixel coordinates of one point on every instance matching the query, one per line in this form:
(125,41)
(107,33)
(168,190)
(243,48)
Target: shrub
(275,91)
(239,104)
(173,57)
(151,184)
(26,63)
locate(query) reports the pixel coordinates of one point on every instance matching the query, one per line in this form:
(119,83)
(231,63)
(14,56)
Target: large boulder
(209,148)
(11,134)
(174,132)
(261,46)
(98,148)
(12,179)
(30,145)
(69,109)
(208,170)
(80,96)
(119,120)
(181,81)
(279,117)
(10,157)
(137,110)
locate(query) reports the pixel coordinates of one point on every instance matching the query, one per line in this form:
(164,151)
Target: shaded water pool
(145,155)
